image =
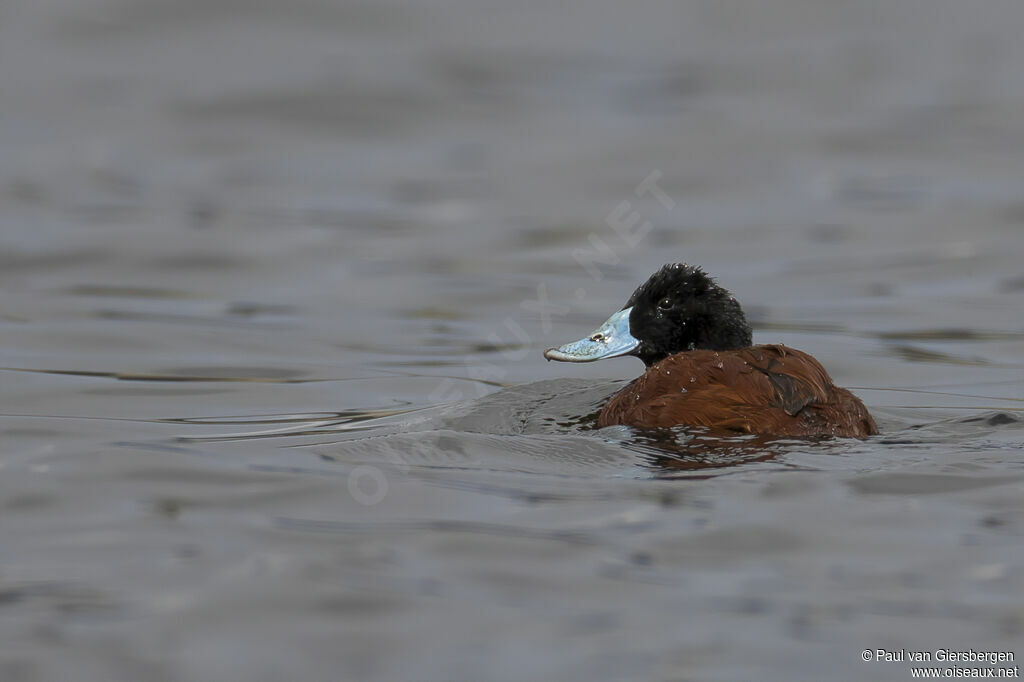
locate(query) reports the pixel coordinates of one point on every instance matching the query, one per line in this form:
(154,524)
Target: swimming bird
(702,369)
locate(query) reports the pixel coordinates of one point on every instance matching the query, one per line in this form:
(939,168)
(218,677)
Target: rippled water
(277,281)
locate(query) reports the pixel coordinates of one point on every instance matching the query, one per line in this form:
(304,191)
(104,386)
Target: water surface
(277,284)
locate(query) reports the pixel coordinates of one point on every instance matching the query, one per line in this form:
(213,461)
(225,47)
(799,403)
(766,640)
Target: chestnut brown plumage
(760,389)
(703,371)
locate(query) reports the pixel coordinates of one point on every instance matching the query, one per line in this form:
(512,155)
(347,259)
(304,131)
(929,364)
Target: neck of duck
(720,332)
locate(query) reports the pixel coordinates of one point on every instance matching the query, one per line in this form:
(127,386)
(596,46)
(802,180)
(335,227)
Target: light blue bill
(610,340)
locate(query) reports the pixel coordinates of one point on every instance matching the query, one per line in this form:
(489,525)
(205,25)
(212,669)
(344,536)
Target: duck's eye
(665,304)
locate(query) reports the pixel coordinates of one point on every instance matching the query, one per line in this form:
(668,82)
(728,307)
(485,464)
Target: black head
(681,308)
(678,309)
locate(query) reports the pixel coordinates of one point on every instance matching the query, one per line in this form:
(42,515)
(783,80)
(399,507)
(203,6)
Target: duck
(702,369)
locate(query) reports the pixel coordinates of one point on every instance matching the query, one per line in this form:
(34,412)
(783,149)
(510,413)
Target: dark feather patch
(793,395)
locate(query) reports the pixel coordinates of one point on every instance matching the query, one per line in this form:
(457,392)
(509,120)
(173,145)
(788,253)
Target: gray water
(276,282)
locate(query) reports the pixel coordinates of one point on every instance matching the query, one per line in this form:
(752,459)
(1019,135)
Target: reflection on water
(277,280)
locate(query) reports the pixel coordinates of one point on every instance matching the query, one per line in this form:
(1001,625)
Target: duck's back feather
(768,389)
